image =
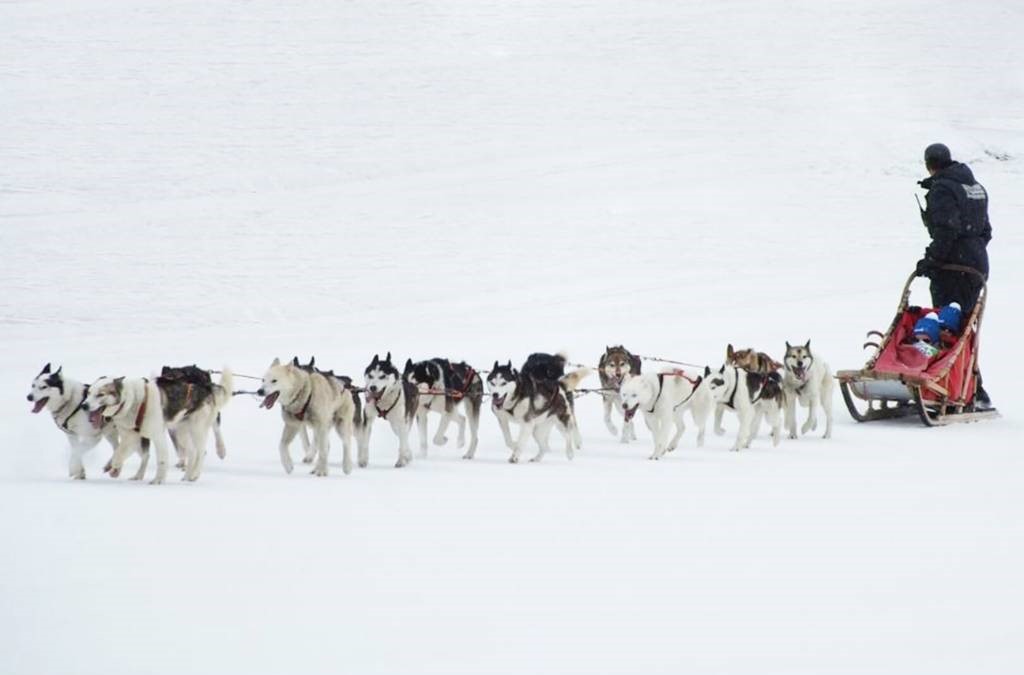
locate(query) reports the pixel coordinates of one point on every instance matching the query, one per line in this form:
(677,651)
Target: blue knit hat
(950,317)
(929,325)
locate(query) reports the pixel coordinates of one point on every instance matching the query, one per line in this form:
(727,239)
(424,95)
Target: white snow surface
(226,182)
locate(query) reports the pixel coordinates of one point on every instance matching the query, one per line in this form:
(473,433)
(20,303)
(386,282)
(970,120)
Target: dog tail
(222,395)
(572,380)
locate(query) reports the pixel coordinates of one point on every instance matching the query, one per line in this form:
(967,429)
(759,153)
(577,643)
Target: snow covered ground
(223,183)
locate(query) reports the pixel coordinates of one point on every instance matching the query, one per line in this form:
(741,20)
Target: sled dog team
(184,404)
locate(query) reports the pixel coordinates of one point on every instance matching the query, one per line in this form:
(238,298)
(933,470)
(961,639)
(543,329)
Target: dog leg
(401,429)
(743,437)
(659,431)
(75,468)
(699,410)
(790,400)
(308,449)
(609,402)
(719,411)
(183,441)
(525,431)
(321,439)
(812,417)
(180,450)
(199,437)
(160,441)
(541,433)
(680,429)
(772,414)
(632,431)
(222,451)
(143,459)
(506,432)
(460,419)
(421,426)
(473,415)
(344,430)
(287,436)
(363,438)
(125,446)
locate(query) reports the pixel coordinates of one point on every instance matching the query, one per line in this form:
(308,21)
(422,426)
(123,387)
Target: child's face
(922,337)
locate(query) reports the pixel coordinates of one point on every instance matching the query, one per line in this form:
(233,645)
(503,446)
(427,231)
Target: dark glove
(925,267)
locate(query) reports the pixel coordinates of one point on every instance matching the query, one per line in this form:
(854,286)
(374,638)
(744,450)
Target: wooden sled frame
(892,395)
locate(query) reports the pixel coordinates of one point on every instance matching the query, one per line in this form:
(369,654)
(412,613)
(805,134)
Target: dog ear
(788,346)
(729,352)
(376,360)
(312,360)
(721,371)
(295,361)
(118,385)
(387,359)
(45,370)
(60,368)
(276,362)
(808,346)
(707,370)
(494,367)
(408,366)
(509,366)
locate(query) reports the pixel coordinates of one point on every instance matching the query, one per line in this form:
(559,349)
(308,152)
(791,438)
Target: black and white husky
(536,397)
(316,399)
(64,397)
(751,396)
(617,364)
(807,379)
(392,398)
(442,386)
(663,398)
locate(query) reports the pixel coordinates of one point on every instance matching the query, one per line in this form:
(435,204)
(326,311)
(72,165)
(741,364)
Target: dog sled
(940,390)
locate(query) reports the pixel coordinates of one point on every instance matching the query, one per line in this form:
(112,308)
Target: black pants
(947,287)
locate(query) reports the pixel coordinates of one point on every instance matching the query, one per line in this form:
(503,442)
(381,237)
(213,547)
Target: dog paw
(180,464)
(536,458)
(363,463)
(440,440)
(157,481)
(346,468)
(307,460)
(114,473)
(289,468)
(719,432)
(402,461)
(468,455)
(513,460)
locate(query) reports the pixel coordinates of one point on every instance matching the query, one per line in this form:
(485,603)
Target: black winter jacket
(957,218)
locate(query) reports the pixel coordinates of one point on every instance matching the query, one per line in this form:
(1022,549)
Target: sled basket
(940,390)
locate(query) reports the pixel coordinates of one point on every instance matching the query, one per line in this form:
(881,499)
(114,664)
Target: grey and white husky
(536,397)
(617,364)
(751,396)
(143,410)
(807,379)
(315,399)
(443,386)
(63,398)
(392,398)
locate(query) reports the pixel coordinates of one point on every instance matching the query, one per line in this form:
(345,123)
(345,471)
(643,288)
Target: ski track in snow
(226,183)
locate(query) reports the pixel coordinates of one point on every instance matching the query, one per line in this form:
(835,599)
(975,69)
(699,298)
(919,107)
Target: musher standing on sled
(957,220)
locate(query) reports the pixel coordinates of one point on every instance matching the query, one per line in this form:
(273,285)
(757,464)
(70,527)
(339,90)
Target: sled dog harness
(692,392)
(301,415)
(74,411)
(731,403)
(385,413)
(661,385)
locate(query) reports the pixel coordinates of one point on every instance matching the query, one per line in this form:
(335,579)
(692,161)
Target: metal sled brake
(940,391)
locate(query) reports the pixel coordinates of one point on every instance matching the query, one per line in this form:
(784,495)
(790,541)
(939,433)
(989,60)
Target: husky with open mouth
(615,365)
(664,398)
(442,386)
(392,398)
(536,397)
(807,379)
(751,396)
(316,399)
(63,398)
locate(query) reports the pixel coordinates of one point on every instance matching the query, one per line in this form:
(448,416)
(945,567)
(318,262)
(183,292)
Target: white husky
(751,396)
(64,397)
(664,398)
(808,380)
(393,399)
(319,400)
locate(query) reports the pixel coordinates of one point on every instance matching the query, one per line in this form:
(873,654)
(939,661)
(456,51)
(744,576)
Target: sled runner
(940,389)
